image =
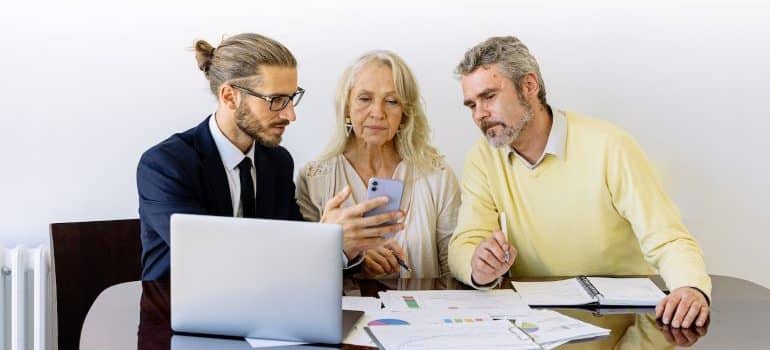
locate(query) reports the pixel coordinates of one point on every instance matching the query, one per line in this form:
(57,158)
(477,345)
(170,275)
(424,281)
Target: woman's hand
(360,233)
(382,260)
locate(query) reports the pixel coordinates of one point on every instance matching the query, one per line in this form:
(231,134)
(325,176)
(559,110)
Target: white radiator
(26,299)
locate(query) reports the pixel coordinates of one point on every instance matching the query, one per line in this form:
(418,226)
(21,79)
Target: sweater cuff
(708,299)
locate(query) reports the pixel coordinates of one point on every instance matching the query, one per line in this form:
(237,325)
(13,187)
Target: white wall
(88,85)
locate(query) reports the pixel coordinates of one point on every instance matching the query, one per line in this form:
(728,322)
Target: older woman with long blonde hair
(382,131)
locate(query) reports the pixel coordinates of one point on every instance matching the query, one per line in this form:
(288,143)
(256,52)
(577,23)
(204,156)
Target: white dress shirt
(557,140)
(231,157)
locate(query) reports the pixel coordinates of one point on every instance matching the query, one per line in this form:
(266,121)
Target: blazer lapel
(215,185)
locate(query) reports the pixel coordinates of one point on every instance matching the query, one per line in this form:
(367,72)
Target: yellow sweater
(597,210)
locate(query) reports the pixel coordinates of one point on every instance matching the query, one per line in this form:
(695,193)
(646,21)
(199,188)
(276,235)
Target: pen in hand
(504,228)
(400,262)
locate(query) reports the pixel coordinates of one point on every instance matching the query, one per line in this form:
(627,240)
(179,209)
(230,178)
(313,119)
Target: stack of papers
(541,329)
(365,304)
(460,319)
(386,318)
(483,335)
(551,329)
(499,303)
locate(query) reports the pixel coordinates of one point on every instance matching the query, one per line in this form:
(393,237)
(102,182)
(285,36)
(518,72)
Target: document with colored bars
(430,323)
(541,329)
(498,303)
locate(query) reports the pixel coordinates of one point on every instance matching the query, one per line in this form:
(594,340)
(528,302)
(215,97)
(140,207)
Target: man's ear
(529,85)
(228,97)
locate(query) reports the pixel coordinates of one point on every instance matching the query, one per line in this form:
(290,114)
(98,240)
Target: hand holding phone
(360,233)
(393,189)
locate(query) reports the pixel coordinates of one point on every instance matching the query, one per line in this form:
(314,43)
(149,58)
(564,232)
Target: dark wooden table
(136,315)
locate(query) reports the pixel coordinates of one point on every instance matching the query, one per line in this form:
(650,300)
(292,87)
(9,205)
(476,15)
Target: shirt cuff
(490,285)
(347,264)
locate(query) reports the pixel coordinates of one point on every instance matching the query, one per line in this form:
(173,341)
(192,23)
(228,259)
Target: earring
(348,126)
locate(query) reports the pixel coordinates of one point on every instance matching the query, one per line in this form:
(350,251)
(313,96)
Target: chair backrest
(88,257)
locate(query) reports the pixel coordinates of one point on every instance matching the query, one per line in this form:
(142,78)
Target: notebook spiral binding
(588,286)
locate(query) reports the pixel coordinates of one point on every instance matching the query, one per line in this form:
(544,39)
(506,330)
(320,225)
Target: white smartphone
(393,189)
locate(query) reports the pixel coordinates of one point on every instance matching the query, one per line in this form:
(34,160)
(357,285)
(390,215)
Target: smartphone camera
(374,183)
(374,189)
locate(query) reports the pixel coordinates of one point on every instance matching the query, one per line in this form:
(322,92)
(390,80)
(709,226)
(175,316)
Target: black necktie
(248,202)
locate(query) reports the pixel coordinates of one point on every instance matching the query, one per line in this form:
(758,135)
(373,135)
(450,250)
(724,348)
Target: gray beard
(509,134)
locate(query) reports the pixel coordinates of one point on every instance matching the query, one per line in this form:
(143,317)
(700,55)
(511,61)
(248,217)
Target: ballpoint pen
(504,228)
(400,262)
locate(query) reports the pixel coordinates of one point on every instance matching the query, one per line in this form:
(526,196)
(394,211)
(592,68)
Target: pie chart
(388,322)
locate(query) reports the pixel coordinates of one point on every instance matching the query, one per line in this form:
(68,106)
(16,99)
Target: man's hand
(682,307)
(382,260)
(683,337)
(360,233)
(489,259)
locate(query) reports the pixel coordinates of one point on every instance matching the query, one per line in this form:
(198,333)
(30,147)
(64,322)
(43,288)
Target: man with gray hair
(577,195)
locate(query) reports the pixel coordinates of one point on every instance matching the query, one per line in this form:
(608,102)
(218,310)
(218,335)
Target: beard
(255,128)
(506,135)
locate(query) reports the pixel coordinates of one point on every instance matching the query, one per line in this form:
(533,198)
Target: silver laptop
(186,342)
(257,278)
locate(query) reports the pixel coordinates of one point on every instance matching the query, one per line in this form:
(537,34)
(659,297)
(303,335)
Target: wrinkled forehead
(482,79)
(375,77)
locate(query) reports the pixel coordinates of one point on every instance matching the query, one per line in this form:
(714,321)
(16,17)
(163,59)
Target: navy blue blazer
(184,174)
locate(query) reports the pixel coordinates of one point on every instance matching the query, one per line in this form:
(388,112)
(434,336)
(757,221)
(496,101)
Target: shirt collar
(557,139)
(231,155)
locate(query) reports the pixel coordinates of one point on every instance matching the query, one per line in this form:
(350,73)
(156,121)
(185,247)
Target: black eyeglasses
(277,102)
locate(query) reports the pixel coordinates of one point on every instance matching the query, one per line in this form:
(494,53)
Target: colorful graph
(388,322)
(463,320)
(410,302)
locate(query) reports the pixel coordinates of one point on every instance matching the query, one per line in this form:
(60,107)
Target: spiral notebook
(588,291)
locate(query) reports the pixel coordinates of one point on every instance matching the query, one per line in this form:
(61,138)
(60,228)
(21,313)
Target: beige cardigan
(431,199)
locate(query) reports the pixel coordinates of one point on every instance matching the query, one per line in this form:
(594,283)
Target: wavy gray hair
(513,56)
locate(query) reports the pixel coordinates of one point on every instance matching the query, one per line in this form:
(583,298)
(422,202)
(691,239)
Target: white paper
(390,318)
(501,335)
(365,304)
(266,343)
(563,292)
(497,303)
(554,345)
(547,326)
(358,335)
(627,291)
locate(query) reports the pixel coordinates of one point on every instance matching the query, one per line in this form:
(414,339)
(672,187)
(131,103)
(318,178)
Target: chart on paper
(493,303)
(483,335)
(385,318)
